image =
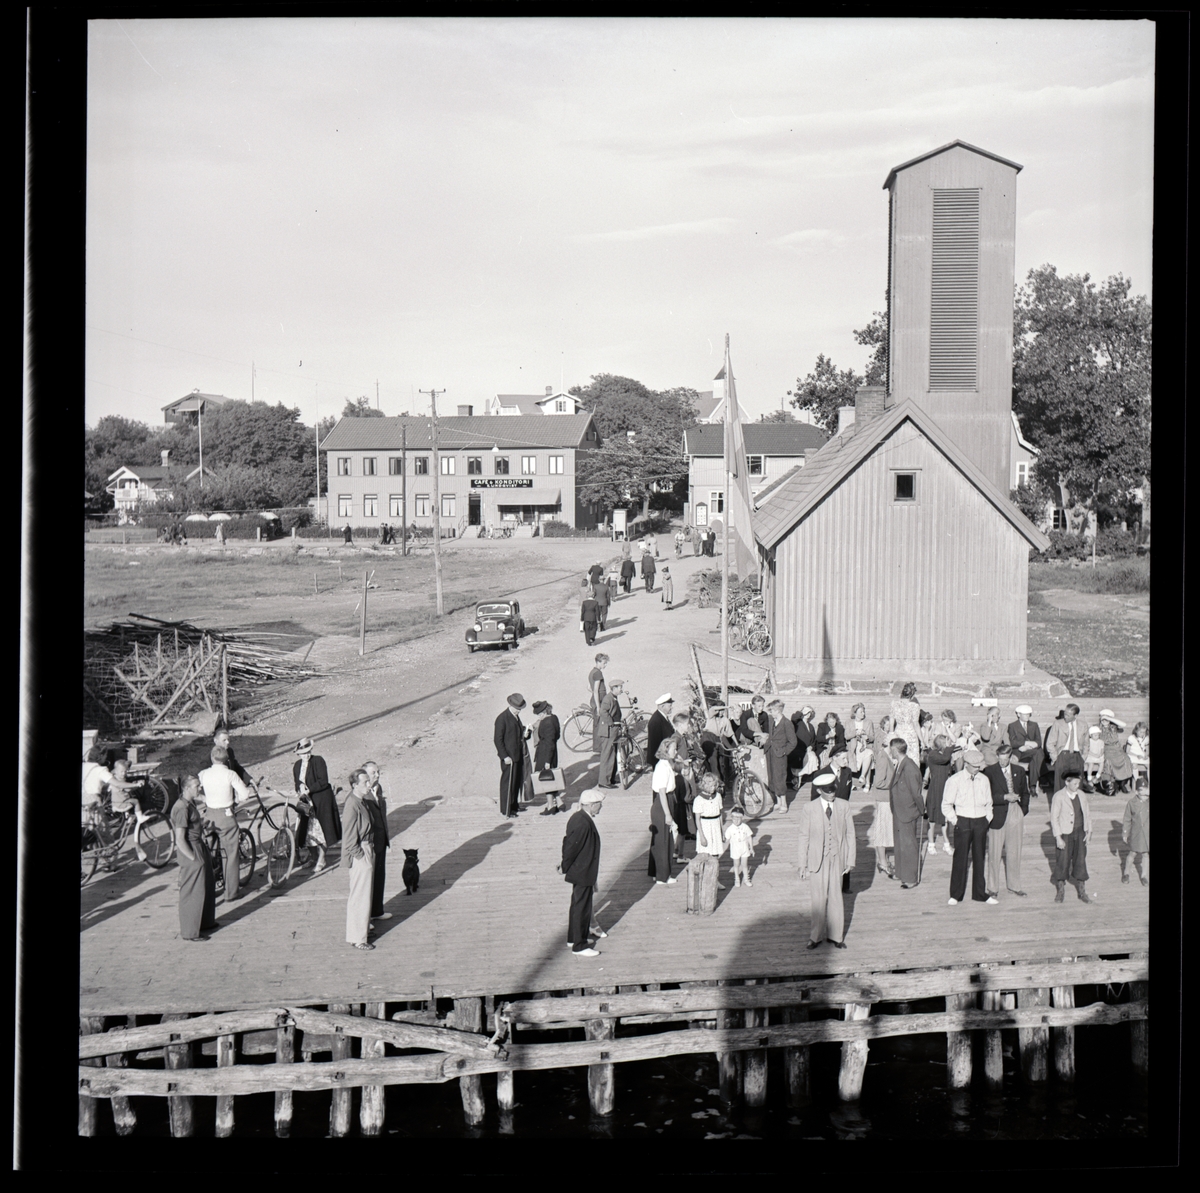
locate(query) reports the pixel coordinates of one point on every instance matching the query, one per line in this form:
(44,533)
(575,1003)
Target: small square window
(755,465)
(368,466)
(906,486)
(474,465)
(421,465)
(501,465)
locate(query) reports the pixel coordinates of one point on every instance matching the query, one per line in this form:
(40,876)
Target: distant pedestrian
(648,570)
(376,806)
(589,617)
(628,571)
(1135,832)
(197,887)
(220,535)
(347,534)
(594,574)
(359,852)
(509,739)
(679,537)
(580,866)
(668,588)
(602,595)
(1071,823)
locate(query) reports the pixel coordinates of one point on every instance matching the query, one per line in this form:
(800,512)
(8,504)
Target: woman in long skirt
(880,833)
(941,764)
(197,885)
(662,824)
(545,758)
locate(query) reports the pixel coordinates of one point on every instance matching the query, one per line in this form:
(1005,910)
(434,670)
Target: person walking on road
(668,588)
(509,740)
(589,617)
(628,571)
(222,790)
(311,778)
(648,570)
(580,866)
(197,886)
(602,595)
(376,807)
(359,852)
(828,850)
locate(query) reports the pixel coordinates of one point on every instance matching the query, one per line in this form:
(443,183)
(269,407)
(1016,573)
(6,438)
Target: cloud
(810,240)
(658,231)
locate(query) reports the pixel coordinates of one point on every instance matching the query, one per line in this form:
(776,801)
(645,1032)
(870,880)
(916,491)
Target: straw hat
(304,746)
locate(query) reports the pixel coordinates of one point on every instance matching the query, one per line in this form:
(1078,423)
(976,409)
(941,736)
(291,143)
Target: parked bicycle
(281,852)
(105,833)
(247,855)
(631,746)
(750,791)
(577,732)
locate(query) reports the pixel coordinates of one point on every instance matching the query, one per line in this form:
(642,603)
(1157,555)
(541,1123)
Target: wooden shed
(891,554)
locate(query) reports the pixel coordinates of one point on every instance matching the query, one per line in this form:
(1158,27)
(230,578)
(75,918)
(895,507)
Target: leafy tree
(777,416)
(360,408)
(824,390)
(875,335)
(1081,384)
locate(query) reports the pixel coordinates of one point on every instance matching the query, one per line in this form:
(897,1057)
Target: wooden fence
(739,1022)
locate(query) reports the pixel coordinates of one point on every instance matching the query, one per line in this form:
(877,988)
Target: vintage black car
(497,623)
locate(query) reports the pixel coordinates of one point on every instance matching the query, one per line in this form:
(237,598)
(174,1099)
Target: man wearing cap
(222,790)
(908,806)
(780,742)
(717,739)
(1025,737)
(1010,806)
(1063,744)
(311,778)
(580,866)
(967,804)
(1071,823)
(509,740)
(827,852)
(659,727)
(609,722)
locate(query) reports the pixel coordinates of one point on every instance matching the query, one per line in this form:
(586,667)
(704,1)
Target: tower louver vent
(954,316)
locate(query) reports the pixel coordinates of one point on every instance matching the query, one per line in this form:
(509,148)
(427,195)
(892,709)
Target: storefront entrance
(474,510)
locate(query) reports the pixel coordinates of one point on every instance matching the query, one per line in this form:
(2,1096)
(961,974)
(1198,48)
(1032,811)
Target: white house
(146,484)
(515,405)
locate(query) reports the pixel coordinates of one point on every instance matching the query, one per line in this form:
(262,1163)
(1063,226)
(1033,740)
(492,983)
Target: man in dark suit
(781,741)
(609,722)
(376,806)
(754,720)
(1010,805)
(311,778)
(659,727)
(1065,741)
(908,805)
(1025,737)
(589,617)
(603,597)
(509,740)
(580,866)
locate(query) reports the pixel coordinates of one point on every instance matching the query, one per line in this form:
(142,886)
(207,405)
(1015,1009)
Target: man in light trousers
(222,790)
(1010,804)
(827,851)
(359,851)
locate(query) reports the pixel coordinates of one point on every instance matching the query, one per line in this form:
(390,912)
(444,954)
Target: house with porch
(138,486)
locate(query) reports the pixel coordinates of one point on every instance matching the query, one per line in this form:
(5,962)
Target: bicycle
(282,853)
(577,732)
(247,855)
(631,751)
(750,794)
(106,831)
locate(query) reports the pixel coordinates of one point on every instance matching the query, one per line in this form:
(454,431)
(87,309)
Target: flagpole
(725,552)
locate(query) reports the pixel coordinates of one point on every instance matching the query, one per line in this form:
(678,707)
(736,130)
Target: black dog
(411,872)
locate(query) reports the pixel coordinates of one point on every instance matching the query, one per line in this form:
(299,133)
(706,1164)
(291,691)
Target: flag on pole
(738,514)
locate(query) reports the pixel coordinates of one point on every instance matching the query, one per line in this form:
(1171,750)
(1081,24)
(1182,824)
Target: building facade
(526,472)
(190,407)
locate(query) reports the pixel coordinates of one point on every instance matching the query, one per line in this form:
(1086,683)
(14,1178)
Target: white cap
(665,698)
(823,781)
(1108,712)
(1024,710)
(593,795)
(1094,731)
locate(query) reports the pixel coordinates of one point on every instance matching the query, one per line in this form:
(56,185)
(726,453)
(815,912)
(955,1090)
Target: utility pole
(317,441)
(376,393)
(437,500)
(404,488)
(200,435)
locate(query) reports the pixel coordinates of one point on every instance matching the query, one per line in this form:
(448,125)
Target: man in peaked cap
(1025,737)
(659,727)
(509,740)
(827,852)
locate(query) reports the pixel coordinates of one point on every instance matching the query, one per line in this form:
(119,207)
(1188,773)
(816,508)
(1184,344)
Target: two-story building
(135,486)
(772,450)
(521,470)
(191,407)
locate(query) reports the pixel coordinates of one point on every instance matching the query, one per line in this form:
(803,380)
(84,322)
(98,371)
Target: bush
(560,530)
(1132,576)
(1111,543)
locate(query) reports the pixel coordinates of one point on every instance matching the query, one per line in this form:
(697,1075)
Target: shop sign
(502,482)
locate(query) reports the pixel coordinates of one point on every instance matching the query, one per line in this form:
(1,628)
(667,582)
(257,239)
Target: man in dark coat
(603,598)
(376,806)
(509,740)
(1010,806)
(648,570)
(843,777)
(659,727)
(580,866)
(311,778)
(609,723)
(628,571)
(781,741)
(754,720)
(589,617)
(1025,737)
(908,806)
(594,574)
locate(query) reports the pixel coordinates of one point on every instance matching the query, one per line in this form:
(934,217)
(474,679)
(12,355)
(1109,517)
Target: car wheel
(471,647)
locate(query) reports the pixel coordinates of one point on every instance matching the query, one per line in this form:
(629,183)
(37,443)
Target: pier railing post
(754,1063)
(226,1056)
(89,1025)
(370,1112)
(993,1044)
(468,1016)
(1034,1041)
(1139,1029)
(285,1054)
(179,1106)
(124,1115)
(729,1067)
(958,1045)
(1064,1037)
(339,1108)
(795,1060)
(602,1086)
(854,1056)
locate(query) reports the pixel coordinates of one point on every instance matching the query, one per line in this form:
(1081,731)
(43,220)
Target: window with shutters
(954,310)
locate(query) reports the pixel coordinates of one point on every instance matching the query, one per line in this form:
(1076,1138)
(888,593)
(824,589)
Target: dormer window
(560,407)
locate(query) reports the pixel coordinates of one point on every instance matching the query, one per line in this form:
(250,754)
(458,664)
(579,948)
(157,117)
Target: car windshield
(493,611)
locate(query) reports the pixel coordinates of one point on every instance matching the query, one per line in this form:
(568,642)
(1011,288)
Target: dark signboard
(502,482)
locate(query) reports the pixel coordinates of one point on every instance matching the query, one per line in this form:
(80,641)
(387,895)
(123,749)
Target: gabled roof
(1021,438)
(934,152)
(708,405)
(766,491)
(560,395)
(525,403)
(193,401)
(762,439)
(478,431)
(152,475)
(825,470)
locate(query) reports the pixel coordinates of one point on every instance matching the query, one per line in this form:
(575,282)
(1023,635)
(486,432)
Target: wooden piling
(226,1055)
(1139,1032)
(1064,1037)
(729,1064)
(124,1115)
(854,1056)
(505,1094)
(958,1045)
(1034,1041)
(993,1044)
(179,1106)
(468,1016)
(285,1054)
(754,1064)
(91,1025)
(339,1110)
(370,1113)
(795,1060)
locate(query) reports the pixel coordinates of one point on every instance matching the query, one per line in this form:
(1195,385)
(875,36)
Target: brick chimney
(549,390)
(869,403)
(845,418)
(165,462)
(466,411)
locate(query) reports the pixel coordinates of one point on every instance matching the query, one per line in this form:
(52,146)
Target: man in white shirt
(967,804)
(222,790)
(1063,744)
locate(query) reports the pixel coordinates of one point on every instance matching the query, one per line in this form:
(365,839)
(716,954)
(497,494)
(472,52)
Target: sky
(489,206)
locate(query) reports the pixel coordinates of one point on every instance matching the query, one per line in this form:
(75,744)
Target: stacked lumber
(145,673)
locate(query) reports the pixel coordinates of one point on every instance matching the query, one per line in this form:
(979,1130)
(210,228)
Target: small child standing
(668,587)
(1135,832)
(741,846)
(1138,749)
(1095,755)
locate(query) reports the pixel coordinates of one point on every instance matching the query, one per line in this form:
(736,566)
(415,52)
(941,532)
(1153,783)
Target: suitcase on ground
(702,884)
(549,786)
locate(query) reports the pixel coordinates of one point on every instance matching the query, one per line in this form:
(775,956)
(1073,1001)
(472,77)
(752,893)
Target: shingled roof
(827,468)
(762,439)
(459,433)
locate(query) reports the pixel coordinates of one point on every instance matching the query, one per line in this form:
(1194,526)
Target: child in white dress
(1094,763)
(741,846)
(706,808)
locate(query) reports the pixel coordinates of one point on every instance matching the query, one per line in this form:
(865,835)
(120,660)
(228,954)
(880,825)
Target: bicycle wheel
(737,636)
(217,856)
(756,800)
(247,857)
(760,641)
(625,771)
(281,857)
(281,816)
(87,855)
(577,732)
(156,796)
(156,840)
